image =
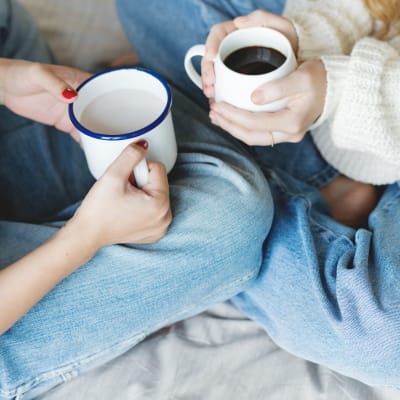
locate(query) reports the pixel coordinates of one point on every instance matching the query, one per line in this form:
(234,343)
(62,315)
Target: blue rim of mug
(126,135)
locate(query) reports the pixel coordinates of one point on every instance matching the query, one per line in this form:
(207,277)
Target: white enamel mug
(120,106)
(236,88)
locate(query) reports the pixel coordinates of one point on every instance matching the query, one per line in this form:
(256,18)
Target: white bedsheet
(218,355)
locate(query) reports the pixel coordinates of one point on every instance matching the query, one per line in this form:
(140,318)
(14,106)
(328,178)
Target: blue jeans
(326,292)
(222,211)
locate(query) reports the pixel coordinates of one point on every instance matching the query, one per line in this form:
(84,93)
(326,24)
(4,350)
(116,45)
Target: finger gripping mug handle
(141,173)
(197,50)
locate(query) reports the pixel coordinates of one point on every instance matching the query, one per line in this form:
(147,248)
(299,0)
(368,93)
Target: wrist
(78,242)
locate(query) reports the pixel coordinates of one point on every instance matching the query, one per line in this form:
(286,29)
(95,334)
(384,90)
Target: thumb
(276,90)
(158,179)
(124,164)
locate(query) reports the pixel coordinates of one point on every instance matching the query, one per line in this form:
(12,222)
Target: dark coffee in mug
(254,60)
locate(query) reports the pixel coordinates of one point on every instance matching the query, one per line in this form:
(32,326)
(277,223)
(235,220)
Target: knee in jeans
(252,212)
(251,222)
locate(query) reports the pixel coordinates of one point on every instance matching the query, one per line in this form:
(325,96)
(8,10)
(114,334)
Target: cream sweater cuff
(336,69)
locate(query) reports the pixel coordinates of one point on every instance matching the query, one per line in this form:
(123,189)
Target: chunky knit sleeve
(328,27)
(361,132)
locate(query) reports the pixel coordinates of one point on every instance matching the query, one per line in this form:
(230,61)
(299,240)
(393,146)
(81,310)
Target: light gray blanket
(218,355)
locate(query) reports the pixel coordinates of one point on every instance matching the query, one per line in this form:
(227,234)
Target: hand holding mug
(115,211)
(295,95)
(219,31)
(304,90)
(31,89)
(246,59)
(123,105)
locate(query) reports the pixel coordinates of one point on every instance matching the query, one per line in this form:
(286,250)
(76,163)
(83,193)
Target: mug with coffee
(120,106)
(246,59)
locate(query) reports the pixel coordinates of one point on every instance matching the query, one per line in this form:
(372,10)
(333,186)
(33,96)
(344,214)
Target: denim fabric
(329,293)
(222,211)
(326,292)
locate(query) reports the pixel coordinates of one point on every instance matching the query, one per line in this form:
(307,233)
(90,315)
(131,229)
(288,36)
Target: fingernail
(131,179)
(69,93)
(142,143)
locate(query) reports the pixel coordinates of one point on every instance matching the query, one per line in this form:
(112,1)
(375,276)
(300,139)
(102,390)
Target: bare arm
(25,282)
(108,214)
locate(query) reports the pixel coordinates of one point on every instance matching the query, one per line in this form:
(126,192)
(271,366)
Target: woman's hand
(219,31)
(115,211)
(40,92)
(305,91)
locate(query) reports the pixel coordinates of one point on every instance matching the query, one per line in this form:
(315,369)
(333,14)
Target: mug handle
(141,173)
(197,50)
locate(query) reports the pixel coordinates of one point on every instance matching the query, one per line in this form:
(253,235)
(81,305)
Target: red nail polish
(69,93)
(131,179)
(142,143)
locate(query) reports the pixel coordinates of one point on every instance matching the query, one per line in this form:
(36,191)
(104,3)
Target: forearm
(25,282)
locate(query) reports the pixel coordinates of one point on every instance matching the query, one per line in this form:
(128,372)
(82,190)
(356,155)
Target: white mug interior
(118,83)
(123,118)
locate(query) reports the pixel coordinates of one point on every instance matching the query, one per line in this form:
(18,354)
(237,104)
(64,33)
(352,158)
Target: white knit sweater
(359,130)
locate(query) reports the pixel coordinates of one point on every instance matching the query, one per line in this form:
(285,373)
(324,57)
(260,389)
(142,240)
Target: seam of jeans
(323,177)
(69,369)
